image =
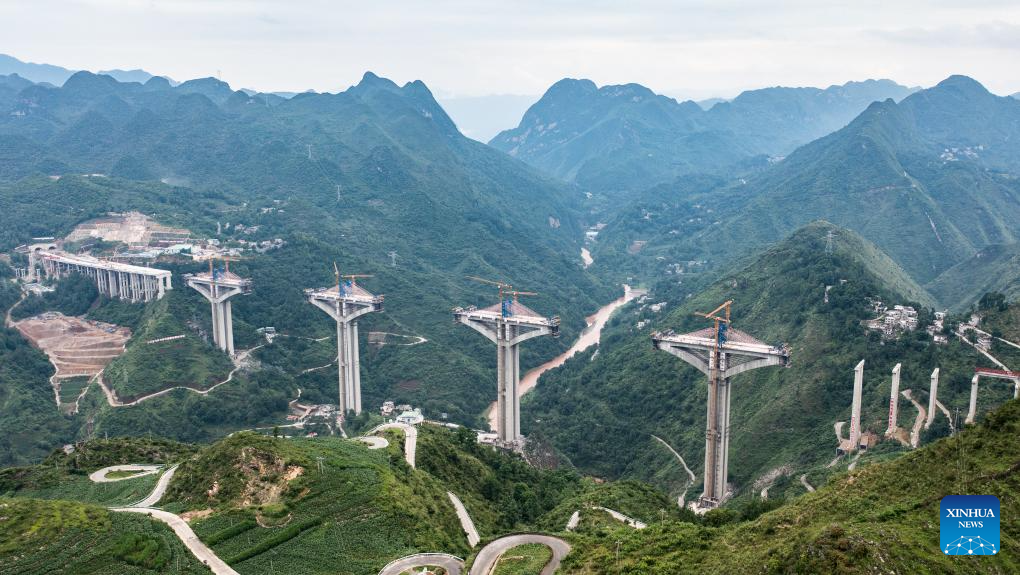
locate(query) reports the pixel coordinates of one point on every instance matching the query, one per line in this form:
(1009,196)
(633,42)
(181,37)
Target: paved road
(410,438)
(803,481)
(621,517)
(101,475)
(157,493)
(691,478)
(187,536)
(465,520)
(453,565)
(922,413)
(111,397)
(490,554)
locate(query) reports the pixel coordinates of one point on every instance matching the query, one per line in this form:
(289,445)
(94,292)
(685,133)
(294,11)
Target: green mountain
(344,178)
(883,518)
(628,138)
(602,412)
(931,181)
(995,268)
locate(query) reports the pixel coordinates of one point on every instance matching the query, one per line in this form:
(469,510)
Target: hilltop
(627,138)
(881,518)
(930,180)
(601,412)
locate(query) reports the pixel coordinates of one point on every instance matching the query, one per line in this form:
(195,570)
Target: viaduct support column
(972,410)
(855,410)
(894,395)
(932,395)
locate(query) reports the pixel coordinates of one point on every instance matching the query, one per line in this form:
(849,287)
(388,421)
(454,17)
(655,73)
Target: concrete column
(161,288)
(356,370)
(724,452)
(228,328)
(972,410)
(932,395)
(352,366)
(341,360)
(502,433)
(855,409)
(715,431)
(217,324)
(894,400)
(514,391)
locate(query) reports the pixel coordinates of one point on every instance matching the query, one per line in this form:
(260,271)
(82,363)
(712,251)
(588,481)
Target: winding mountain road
(486,559)
(140,470)
(454,565)
(111,396)
(465,520)
(922,413)
(410,438)
(692,479)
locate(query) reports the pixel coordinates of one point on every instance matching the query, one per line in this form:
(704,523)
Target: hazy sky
(476,47)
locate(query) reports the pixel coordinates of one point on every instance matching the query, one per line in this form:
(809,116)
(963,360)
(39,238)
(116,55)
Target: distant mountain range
(931,180)
(57,75)
(626,137)
(346,177)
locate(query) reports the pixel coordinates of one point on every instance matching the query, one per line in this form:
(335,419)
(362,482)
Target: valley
(235,328)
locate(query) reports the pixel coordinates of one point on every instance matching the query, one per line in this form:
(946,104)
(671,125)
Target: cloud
(996,35)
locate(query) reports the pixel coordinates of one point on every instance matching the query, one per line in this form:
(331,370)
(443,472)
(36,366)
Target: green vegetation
(408,183)
(65,476)
(189,362)
(31,422)
(73,295)
(601,414)
(523,560)
(890,175)
(271,502)
(993,269)
(501,492)
(617,139)
(884,517)
(67,537)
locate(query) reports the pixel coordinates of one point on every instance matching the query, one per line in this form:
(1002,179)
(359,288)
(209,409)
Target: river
(589,337)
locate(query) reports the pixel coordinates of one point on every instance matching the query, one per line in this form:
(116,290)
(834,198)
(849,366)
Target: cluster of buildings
(935,330)
(892,321)
(402,413)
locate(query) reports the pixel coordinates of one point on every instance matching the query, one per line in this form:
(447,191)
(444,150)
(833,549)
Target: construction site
(77,347)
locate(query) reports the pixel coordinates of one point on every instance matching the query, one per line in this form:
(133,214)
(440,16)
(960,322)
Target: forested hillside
(931,181)
(882,518)
(601,411)
(611,139)
(346,178)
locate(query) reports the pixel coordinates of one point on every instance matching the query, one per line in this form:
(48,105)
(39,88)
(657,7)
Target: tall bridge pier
(1013,376)
(932,398)
(720,352)
(507,324)
(894,396)
(345,303)
(218,286)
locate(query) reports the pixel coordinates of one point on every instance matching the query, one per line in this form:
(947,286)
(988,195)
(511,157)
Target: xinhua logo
(969,525)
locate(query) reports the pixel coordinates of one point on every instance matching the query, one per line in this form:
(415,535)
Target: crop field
(523,560)
(354,516)
(70,388)
(74,539)
(79,488)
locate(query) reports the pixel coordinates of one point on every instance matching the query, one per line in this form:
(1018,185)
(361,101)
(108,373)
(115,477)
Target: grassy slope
(882,518)
(995,268)
(146,368)
(68,537)
(364,509)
